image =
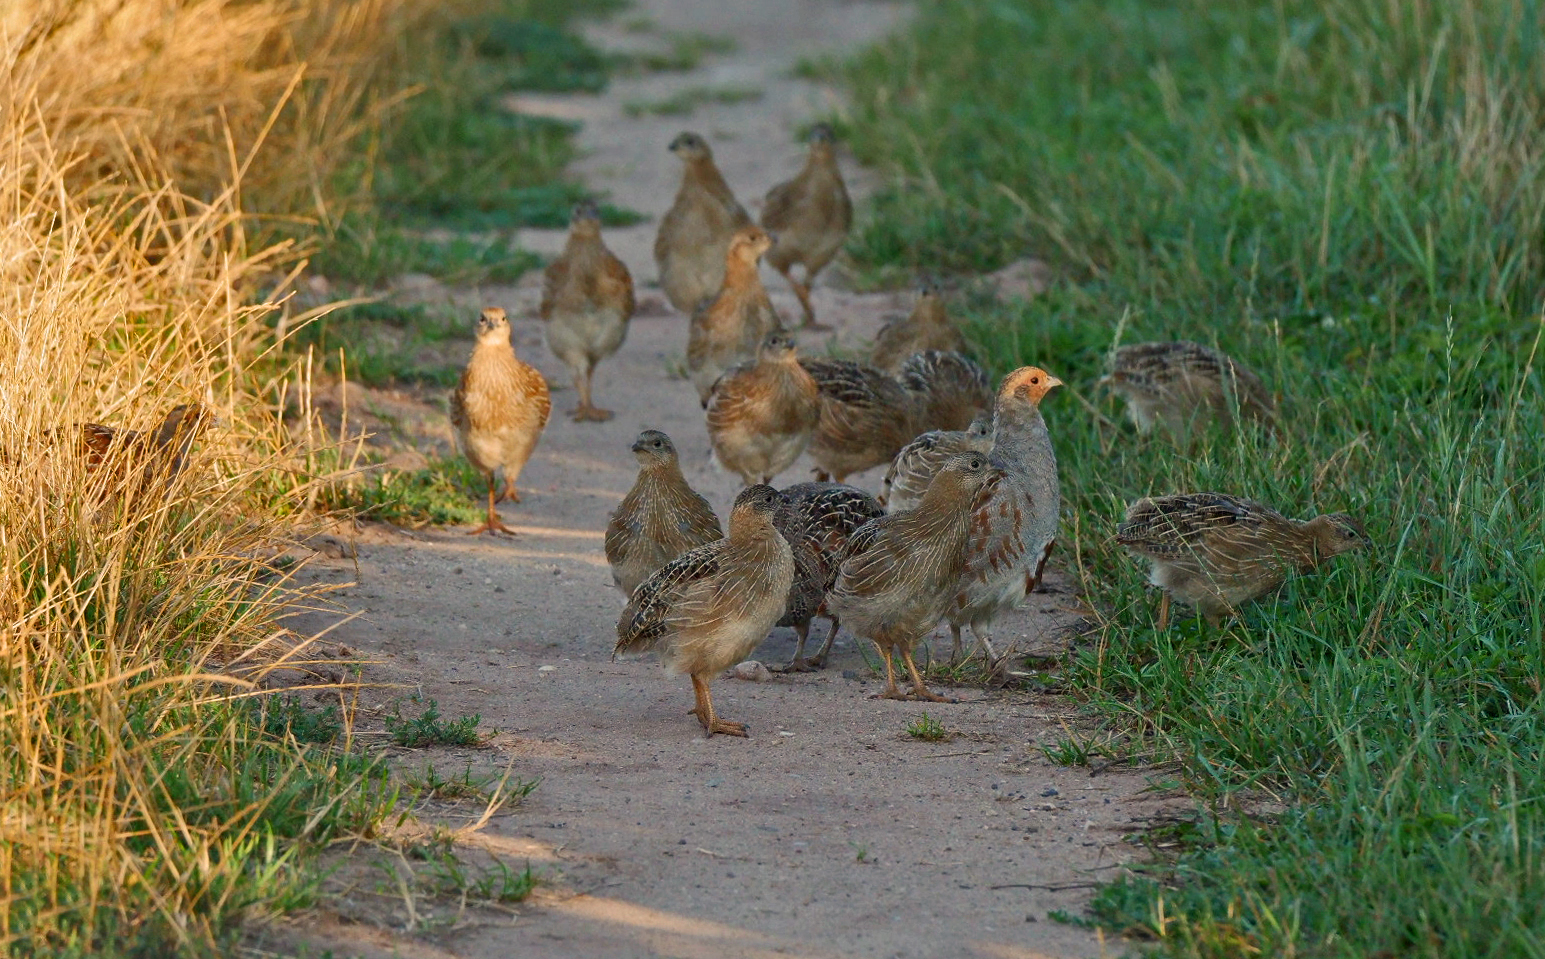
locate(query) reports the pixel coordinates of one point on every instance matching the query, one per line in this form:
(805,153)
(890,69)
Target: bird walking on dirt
(927,327)
(811,215)
(730,328)
(1182,384)
(499,410)
(902,570)
(1215,551)
(587,300)
(689,247)
(920,460)
(818,521)
(761,414)
(1013,526)
(659,519)
(707,609)
(866,418)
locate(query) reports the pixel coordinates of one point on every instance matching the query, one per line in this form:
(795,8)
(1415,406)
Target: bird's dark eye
(1034,380)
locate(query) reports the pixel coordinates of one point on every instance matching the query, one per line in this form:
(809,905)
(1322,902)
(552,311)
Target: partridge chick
(761,415)
(729,328)
(920,460)
(1181,384)
(499,409)
(130,456)
(1013,526)
(660,518)
(707,609)
(811,215)
(587,300)
(950,388)
(927,328)
(901,570)
(818,521)
(866,418)
(1215,551)
(689,248)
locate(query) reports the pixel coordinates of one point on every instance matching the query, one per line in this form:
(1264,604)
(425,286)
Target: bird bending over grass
(130,456)
(499,410)
(1215,551)
(707,609)
(1183,384)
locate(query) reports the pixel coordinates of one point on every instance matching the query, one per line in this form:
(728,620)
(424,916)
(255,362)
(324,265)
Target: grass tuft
(429,729)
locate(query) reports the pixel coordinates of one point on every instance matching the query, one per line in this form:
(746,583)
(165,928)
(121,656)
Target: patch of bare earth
(830,831)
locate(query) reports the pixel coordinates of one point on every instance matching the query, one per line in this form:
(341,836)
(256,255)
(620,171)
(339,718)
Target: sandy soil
(830,832)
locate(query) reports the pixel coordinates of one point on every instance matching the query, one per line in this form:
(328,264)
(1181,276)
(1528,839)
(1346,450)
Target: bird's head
(689,146)
(778,345)
(653,448)
(493,325)
(586,217)
(1337,533)
(981,425)
(749,243)
(1028,384)
(760,499)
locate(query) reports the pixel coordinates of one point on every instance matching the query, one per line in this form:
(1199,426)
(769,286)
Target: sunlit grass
(1348,198)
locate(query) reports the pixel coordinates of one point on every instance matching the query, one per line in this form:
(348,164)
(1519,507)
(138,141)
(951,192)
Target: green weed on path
(1347,198)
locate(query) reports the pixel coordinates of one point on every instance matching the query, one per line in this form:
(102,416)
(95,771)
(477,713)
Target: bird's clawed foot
(590,414)
(923,693)
(509,495)
(728,728)
(492,525)
(803,665)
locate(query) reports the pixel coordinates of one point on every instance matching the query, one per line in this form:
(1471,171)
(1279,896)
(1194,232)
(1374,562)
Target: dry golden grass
(143,810)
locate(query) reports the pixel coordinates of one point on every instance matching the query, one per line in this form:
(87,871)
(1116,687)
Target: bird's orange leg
(705,714)
(799,664)
(819,662)
(587,410)
(493,524)
(1163,611)
(802,292)
(919,690)
(892,691)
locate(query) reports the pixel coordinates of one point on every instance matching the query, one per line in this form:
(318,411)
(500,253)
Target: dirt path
(830,832)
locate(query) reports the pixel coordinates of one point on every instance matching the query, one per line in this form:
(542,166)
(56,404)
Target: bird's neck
(705,174)
(740,273)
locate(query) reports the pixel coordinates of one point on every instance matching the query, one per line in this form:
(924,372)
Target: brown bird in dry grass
(1182,384)
(901,570)
(587,300)
(1215,551)
(811,215)
(1014,526)
(130,456)
(689,248)
(866,418)
(761,414)
(928,327)
(951,389)
(818,521)
(707,609)
(499,409)
(730,328)
(661,518)
(920,460)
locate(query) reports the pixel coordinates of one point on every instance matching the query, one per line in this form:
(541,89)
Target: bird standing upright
(707,609)
(587,300)
(1013,527)
(761,414)
(811,215)
(730,328)
(660,518)
(689,247)
(499,410)
(901,570)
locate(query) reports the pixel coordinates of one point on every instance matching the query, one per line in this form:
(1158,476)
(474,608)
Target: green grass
(448,492)
(454,156)
(429,729)
(688,100)
(928,729)
(1347,197)
(385,343)
(685,51)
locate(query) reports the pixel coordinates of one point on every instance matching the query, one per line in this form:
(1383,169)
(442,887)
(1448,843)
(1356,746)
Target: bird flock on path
(968,512)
